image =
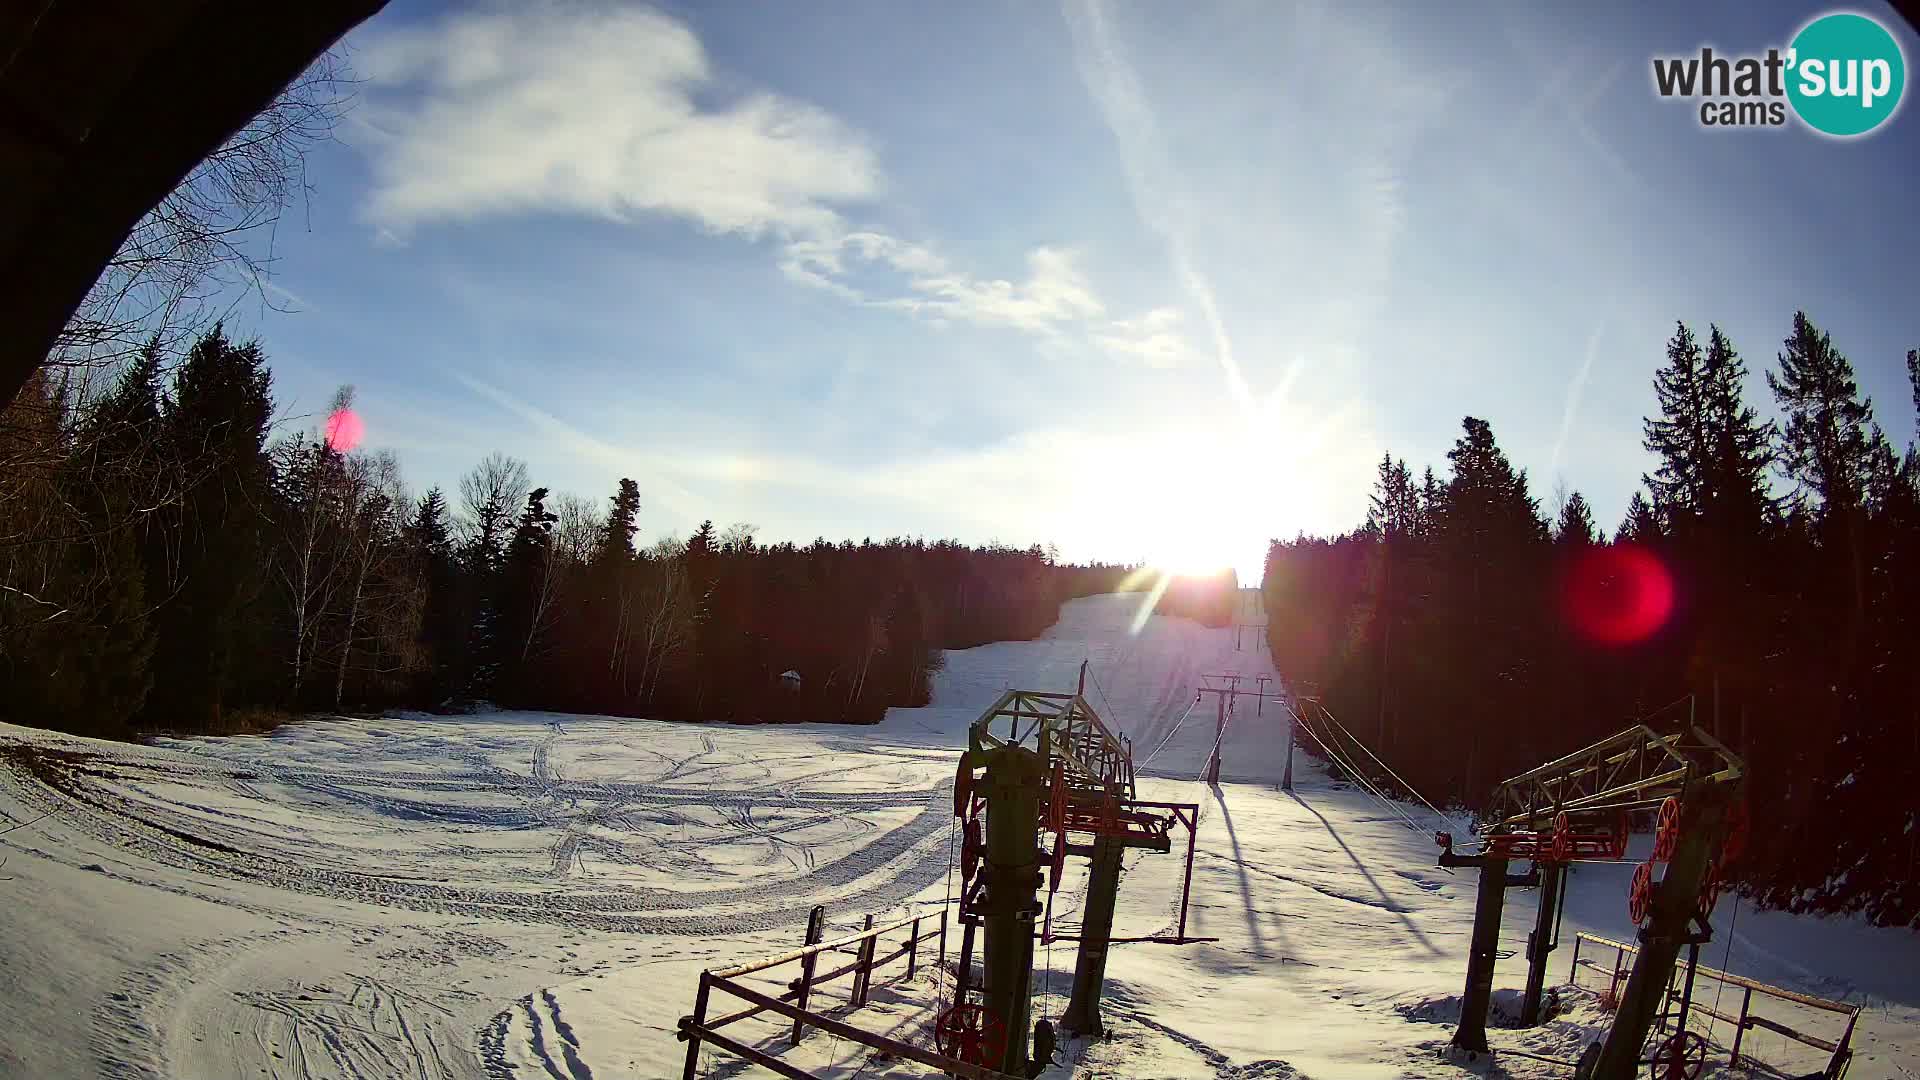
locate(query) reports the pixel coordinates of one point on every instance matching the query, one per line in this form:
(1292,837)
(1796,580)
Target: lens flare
(1618,594)
(344,430)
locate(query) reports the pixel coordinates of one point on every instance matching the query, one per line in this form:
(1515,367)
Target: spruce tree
(215,432)
(1737,446)
(1575,525)
(527,594)
(1832,450)
(1394,507)
(1642,523)
(1827,445)
(1679,438)
(428,536)
(622,522)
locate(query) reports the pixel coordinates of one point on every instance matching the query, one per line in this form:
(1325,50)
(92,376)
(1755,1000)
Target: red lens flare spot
(344,430)
(1618,594)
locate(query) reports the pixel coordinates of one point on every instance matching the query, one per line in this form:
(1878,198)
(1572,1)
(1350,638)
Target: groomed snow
(518,895)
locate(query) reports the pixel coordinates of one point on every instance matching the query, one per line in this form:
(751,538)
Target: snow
(520,895)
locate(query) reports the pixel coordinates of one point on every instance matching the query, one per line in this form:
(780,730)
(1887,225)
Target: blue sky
(1147,281)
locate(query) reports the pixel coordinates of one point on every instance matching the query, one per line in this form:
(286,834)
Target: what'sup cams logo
(1843,75)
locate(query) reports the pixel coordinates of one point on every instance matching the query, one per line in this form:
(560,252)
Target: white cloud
(1153,338)
(1056,301)
(600,112)
(610,113)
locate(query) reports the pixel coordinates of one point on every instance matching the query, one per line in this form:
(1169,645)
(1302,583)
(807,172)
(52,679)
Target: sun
(1199,559)
(1191,502)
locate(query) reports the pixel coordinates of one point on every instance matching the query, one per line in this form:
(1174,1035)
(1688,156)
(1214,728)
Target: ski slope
(532,896)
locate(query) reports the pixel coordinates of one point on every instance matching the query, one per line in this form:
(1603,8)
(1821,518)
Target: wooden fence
(1839,1051)
(796,1004)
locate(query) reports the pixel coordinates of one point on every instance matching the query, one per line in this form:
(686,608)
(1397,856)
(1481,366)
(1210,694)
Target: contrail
(1111,82)
(1575,391)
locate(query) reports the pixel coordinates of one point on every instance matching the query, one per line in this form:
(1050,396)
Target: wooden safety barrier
(794,1004)
(1839,1050)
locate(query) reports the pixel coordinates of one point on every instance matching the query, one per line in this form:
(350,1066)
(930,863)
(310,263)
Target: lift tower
(1042,764)
(1575,809)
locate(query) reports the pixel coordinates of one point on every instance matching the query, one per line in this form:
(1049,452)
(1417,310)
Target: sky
(1148,282)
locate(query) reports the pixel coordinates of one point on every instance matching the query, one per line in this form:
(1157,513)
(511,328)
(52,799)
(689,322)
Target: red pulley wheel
(1057,804)
(1680,1056)
(1059,862)
(962,787)
(1640,894)
(971,848)
(1666,834)
(970,1033)
(1561,849)
(1710,887)
(1622,829)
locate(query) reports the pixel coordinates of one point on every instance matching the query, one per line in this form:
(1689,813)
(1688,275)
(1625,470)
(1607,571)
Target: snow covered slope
(532,896)
(1142,683)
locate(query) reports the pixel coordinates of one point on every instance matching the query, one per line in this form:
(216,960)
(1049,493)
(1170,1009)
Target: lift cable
(1341,760)
(1397,778)
(1112,715)
(940,972)
(1726,961)
(1164,742)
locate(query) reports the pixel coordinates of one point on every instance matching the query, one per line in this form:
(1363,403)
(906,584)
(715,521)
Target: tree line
(1453,629)
(169,562)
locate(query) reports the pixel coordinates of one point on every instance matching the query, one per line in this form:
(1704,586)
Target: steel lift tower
(1041,765)
(1576,809)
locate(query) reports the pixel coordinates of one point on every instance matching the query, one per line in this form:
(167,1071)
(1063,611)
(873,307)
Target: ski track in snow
(517,896)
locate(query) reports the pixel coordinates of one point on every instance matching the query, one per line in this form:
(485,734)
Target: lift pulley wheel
(1561,849)
(1059,862)
(962,787)
(1666,835)
(1680,1056)
(971,848)
(1057,799)
(1640,894)
(1710,886)
(970,1032)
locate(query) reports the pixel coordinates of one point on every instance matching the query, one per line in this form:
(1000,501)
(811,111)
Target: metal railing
(794,1004)
(1838,1049)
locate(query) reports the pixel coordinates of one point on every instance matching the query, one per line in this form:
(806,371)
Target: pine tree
(1832,449)
(1679,437)
(1738,447)
(1910,464)
(216,433)
(1486,500)
(1432,498)
(1575,525)
(1642,523)
(1827,446)
(428,536)
(622,522)
(1394,507)
(529,591)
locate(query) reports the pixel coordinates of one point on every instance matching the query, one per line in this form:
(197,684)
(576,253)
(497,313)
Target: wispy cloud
(1332,136)
(1111,81)
(1056,301)
(616,114)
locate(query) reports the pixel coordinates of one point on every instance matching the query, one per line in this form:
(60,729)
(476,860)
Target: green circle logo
(1845,74)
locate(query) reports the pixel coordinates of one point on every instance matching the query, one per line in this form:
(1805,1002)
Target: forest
(1465,633)
(175,563)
